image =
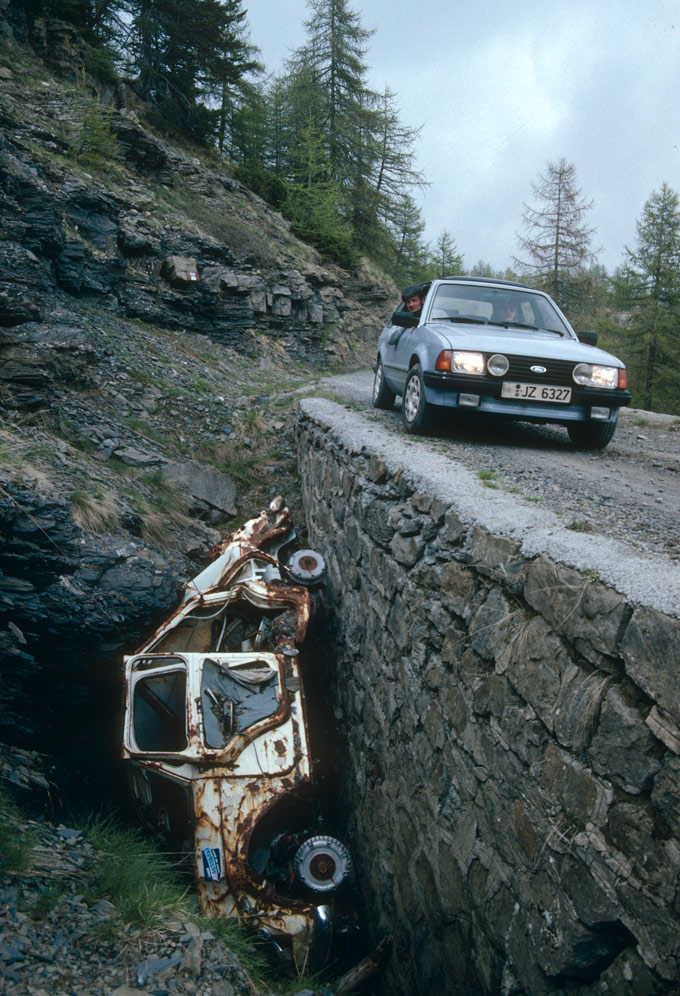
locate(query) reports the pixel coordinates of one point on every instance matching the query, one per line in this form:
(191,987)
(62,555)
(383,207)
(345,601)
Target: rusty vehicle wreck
(217,744)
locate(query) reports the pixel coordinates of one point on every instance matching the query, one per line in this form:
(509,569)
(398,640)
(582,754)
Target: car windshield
(495,306)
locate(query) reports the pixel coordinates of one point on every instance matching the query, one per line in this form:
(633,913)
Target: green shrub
(98,144)
(99,63)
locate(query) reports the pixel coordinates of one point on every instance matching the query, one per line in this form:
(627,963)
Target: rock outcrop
(156,234)
(141,296)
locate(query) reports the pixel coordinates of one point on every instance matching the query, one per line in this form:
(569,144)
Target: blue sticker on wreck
(212,863)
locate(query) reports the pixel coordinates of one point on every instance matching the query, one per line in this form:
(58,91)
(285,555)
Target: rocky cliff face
(95,207)
(155,320)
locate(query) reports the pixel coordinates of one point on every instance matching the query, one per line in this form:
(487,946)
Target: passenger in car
(506,311)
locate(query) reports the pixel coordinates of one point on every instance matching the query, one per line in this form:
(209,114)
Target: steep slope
(156,319)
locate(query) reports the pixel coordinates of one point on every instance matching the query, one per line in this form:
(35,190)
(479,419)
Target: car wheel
(416,414)
(307,567)
(591,435)
(382,396)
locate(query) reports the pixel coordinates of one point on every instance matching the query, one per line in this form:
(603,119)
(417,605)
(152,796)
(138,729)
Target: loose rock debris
(55,941)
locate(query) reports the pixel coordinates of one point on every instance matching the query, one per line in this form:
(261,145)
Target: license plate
(536,392)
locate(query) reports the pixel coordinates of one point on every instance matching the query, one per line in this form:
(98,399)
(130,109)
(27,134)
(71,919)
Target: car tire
(308,568)
(591,435)
(382,396)
(416,414)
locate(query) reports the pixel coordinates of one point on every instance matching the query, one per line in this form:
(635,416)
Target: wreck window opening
(234,699)
(145,663)
(243,632)
(236,627)
(159,712)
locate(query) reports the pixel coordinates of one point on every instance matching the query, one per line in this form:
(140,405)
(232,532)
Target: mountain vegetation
(318,144)
(556,243)
(636,310)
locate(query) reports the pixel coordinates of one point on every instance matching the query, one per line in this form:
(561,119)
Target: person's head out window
(413,298)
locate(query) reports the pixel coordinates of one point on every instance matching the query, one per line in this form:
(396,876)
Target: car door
(397,350)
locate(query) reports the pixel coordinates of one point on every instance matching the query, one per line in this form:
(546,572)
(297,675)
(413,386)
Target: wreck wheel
(322,863)
(307,567)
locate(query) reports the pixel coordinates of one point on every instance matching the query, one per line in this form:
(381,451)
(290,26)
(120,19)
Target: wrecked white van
(217,743)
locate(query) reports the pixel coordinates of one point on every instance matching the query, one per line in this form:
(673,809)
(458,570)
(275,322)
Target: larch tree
(446,261)
(335,51)
(651,281)
(409,248)
(556,244)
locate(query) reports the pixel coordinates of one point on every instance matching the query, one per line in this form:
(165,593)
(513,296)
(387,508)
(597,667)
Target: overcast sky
(502,88)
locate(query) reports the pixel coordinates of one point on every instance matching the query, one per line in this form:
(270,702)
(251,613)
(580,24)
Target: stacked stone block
(512,728)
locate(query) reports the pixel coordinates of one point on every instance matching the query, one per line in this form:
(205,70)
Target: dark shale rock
(212,491)
(54,938)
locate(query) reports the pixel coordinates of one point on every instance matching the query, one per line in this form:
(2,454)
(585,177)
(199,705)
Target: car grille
(556,371)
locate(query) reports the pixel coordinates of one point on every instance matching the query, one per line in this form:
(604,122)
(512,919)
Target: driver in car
(413,298)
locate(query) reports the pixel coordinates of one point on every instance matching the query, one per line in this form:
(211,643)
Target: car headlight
(591,375)
(498,364)
(467,363)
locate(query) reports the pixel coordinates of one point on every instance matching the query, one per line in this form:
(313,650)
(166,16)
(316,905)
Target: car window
(233,699)
(159,712)
(492,304)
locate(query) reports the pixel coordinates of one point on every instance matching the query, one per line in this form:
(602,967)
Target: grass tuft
(488,478)
(133,875)
(47,901)
(580,526)
(147,889)
(95,513)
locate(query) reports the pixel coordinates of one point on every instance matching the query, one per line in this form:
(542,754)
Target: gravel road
(629,491)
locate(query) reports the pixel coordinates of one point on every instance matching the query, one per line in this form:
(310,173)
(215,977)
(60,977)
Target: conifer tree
(445,260)
(651,283)
(335,53)
(410,252)
(182,51)
(313,201)
(556,243)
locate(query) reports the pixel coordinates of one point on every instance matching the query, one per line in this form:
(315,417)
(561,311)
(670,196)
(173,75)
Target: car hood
(522,342)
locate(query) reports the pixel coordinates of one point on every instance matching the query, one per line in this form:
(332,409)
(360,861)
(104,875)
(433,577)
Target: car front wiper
(524,325)
(469,319)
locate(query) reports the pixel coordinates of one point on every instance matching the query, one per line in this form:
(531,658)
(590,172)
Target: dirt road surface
(629,491)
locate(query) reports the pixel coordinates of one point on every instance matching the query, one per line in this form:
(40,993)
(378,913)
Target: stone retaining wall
(513,731)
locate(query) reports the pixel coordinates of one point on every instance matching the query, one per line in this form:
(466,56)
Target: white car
(500,348)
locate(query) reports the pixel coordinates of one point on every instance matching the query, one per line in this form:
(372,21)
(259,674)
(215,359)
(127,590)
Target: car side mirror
(589,338)
(406,319)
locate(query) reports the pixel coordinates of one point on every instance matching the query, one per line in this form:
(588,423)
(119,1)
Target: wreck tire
(307,567)
(322,863)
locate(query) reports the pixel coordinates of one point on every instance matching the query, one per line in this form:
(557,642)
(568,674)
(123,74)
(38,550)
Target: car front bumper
(446,390)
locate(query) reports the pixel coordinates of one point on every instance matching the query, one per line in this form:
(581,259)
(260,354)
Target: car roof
(461,278)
